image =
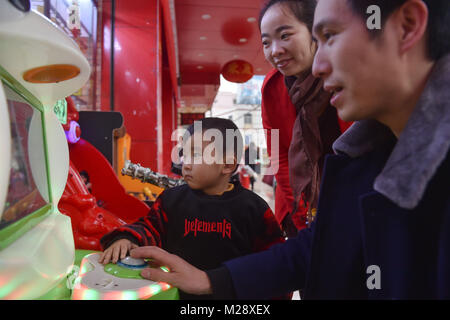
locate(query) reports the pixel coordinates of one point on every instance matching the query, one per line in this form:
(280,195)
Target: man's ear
(413,21)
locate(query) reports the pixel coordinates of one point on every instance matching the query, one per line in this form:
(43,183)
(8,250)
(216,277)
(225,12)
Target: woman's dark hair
(438,29)
(303,10)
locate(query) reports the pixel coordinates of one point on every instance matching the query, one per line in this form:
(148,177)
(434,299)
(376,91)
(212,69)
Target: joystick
(132,263)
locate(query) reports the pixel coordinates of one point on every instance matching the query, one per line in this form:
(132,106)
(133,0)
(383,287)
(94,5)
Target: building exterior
(244,108)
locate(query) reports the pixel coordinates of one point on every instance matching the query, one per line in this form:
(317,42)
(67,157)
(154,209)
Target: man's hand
(181,274)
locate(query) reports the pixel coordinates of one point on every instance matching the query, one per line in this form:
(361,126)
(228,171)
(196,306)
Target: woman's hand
(181,275)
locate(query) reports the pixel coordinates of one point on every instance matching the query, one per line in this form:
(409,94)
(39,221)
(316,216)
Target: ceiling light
(199,67)
(206,16)
(203,38)
(251,19)
(243,40)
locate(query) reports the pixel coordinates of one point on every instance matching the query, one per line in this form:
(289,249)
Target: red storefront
(167,59)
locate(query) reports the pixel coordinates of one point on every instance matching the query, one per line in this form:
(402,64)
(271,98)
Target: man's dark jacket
(383,224)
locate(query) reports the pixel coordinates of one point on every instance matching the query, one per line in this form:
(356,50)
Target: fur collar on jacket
(421,148)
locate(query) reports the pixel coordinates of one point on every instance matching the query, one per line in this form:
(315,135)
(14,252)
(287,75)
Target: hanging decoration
(73,20)
(238,71)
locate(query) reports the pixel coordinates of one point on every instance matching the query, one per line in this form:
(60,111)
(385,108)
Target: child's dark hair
(303,10)
(230,132)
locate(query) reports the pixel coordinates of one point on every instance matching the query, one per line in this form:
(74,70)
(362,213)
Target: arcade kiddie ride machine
(39,258)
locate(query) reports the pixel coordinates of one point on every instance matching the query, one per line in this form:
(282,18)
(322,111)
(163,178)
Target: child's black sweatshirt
(205,230)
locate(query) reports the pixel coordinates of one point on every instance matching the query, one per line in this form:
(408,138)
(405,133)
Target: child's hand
(118,250)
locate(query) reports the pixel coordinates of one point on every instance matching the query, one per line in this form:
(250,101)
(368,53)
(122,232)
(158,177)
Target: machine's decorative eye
(22,5)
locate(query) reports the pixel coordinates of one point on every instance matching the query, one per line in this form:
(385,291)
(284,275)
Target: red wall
(169,120)
(143,92)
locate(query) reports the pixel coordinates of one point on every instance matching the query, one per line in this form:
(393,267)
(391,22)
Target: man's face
(362,73)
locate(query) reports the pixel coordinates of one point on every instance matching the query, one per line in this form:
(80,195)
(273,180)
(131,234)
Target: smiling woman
(305,118)
(286,36)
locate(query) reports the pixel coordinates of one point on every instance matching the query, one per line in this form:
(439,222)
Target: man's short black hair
(223,125)
(438,29)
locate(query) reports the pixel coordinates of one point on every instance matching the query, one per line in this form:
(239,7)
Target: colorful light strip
(71,134)
(82,292)
(10,288)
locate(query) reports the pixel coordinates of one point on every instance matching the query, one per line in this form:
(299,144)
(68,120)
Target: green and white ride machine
(40,65)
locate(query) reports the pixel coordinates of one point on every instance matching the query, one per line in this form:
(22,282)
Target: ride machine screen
(23,197)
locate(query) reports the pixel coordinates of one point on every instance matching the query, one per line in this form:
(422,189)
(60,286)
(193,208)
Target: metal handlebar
(136,171)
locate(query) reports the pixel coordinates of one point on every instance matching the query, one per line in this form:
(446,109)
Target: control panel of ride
(121,281)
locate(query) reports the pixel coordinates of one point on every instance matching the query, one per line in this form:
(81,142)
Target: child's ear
(229,166)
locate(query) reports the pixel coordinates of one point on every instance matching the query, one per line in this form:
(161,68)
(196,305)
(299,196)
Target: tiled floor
(265,191)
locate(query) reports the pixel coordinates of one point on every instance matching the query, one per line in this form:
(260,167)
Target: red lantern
(238,71)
